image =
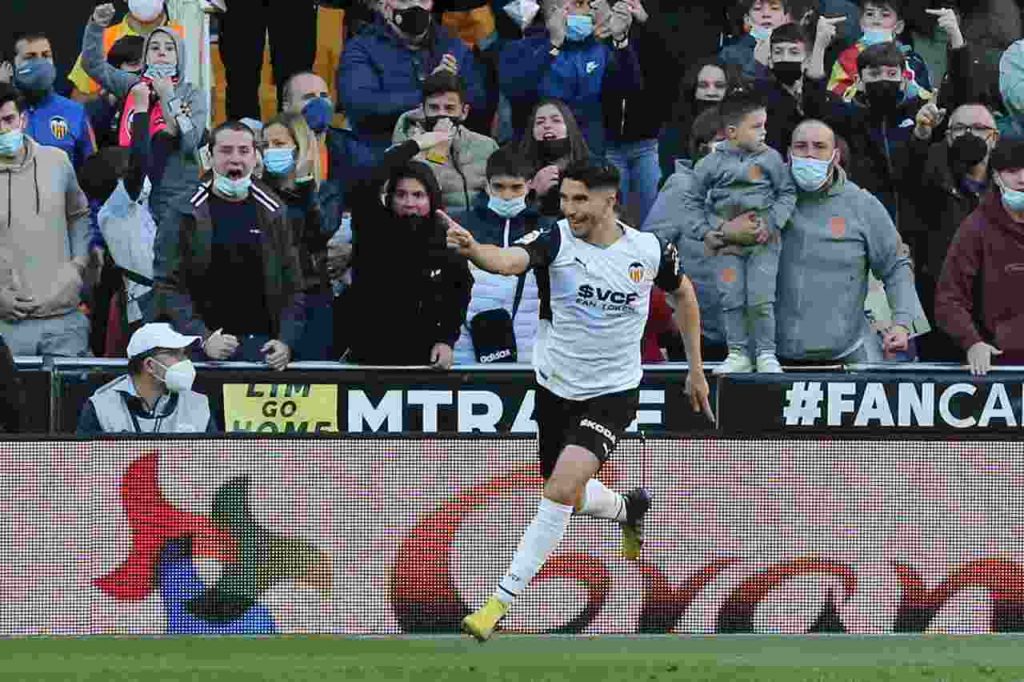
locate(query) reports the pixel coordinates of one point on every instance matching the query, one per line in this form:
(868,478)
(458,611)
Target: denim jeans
(641,172)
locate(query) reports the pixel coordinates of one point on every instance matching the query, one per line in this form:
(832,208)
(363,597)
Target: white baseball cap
(157,335)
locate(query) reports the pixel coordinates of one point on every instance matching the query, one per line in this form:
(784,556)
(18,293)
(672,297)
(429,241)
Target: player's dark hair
(789,33)
(883,54)
(8,93)
(234,126)
(509,162)
(126,50)
(444,82)
(737,104)
(593,175)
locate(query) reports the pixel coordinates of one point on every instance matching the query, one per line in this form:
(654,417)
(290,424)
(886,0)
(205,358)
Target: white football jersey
(594,307)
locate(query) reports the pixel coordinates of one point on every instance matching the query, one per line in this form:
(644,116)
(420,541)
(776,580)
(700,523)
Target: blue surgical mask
(578,27)
(875,36)
(279,161)
(35,75)
(318,114)
(507,208)
(233,189)
(810,174)
(154,71)
(1013,199)
(760,33)
(11,142)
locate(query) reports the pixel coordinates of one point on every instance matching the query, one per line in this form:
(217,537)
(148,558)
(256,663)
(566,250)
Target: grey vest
(185,412)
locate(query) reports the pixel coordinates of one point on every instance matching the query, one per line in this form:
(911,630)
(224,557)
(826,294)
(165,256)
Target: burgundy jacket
(979,294)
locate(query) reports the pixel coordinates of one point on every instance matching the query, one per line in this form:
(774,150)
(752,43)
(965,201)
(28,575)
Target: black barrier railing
(331,398)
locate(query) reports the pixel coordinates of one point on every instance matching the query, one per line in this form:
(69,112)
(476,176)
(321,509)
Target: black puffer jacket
(409,291)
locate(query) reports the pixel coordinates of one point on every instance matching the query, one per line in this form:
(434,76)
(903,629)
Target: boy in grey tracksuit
(740,176)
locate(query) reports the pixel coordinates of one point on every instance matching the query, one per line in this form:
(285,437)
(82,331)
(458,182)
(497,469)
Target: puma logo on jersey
(591,67)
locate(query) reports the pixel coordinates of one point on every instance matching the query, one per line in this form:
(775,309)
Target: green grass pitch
(512,658)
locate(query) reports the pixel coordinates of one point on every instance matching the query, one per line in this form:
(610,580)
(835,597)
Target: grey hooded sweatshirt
(665,220)
(180,175)
(834,237)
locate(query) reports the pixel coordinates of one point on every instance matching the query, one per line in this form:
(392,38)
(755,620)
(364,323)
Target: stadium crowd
(799,153)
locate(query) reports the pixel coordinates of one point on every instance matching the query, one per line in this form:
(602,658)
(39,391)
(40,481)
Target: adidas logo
(495,356)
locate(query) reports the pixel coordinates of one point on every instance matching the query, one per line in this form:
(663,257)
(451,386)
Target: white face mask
(146,10)
(179,377)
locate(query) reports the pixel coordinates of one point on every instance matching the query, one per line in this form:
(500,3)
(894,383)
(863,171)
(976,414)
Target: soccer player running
(595,276)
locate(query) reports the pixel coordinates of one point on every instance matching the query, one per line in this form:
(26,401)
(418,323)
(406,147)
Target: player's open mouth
(235,174)
(548,136)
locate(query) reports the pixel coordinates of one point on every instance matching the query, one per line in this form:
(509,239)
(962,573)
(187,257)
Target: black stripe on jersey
(543,275)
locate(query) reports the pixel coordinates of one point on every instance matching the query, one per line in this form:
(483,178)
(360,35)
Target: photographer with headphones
(409,292)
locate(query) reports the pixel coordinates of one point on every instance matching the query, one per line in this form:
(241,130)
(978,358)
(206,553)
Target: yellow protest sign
(280,408)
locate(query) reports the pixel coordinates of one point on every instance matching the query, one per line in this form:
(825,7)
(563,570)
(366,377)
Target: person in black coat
(409,291)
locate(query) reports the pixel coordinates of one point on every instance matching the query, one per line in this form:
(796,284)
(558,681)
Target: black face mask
(884,96)
(702,105)
(967,151)
(553,150)
(413,21)
(788,73)
(430,122)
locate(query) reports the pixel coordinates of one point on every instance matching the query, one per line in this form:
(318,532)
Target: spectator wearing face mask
(289,157)
(978,301)
(53,121)
(583,58)
(143,17)
(165,115)
(43,242)
(501,322)
(244,27)
(703,87)
(750,51)
(665,220)
(553,142)
(156,395)
(787,93)
(409,291)
(878,122)
(231,272)
(944,181)
(460,167)
(383,69)
(881,21)
(838,233)
(106,109)
(338,152)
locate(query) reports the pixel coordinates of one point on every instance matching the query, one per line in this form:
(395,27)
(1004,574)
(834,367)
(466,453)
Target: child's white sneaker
(767,363)
(737,362)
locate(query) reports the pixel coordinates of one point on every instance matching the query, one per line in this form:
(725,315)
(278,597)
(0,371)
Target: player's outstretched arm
(513,260)
(688,320)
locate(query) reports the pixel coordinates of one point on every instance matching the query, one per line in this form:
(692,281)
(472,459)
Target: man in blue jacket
(53,121)
(570,60)
(383,68)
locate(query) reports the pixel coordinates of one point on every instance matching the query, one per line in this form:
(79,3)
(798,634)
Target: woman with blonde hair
(291,166)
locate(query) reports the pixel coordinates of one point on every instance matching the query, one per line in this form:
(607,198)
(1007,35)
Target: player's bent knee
(576,465)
